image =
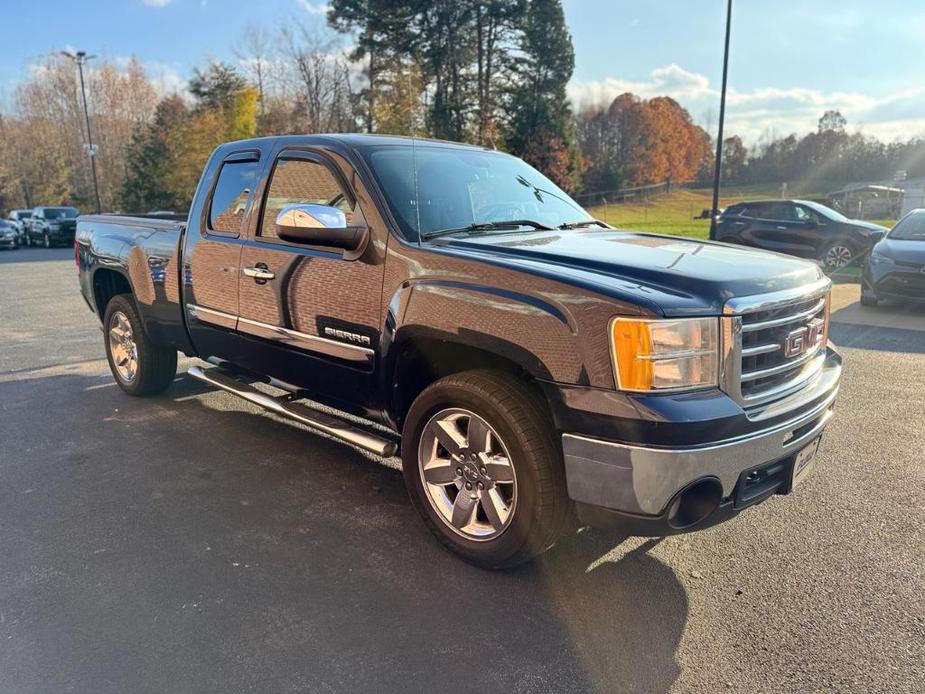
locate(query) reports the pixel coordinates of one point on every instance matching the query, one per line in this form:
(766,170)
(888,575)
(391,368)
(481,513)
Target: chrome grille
(774,344)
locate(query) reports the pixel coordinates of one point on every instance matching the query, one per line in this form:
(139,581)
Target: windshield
(60,212)
(454,188)
(910,228)
(827,212)
(23,215)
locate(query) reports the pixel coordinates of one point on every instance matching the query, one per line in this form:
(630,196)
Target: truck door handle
(260,274)
(782,228)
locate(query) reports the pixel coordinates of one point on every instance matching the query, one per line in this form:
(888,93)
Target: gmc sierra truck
(448,303)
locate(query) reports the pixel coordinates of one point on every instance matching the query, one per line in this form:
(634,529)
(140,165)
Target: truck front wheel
(139,366)
(484,468)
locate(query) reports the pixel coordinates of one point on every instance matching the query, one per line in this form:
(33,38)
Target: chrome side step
(329,424)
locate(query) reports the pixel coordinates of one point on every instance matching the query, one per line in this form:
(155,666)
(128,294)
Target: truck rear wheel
(139,366)
(484,468)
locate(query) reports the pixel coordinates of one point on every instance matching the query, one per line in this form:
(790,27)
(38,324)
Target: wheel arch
(421,356)
(107,283)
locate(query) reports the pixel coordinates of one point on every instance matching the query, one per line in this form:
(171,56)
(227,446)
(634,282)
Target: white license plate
(803,462)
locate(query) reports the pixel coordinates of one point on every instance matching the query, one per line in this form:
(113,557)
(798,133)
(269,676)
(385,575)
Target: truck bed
(148,247)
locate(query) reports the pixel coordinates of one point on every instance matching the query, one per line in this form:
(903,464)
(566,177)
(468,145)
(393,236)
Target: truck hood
(670,274)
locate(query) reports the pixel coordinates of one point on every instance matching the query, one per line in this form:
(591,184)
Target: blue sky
(791,59)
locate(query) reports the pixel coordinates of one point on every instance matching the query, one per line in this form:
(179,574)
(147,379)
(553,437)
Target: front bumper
(640,479)
(889,280)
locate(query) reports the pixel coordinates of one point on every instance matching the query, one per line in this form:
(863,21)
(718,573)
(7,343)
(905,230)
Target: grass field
(674,213)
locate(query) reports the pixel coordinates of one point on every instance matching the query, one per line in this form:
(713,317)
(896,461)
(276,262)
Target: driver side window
(300,181)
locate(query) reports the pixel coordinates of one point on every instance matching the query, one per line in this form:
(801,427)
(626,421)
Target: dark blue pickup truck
(530,364)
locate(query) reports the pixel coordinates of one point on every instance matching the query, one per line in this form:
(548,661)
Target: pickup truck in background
(51,226)
(524,359)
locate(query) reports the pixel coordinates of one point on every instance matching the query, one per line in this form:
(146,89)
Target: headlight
(663,355)
(876,258)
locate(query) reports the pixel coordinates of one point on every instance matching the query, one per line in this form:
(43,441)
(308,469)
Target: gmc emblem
(802,339)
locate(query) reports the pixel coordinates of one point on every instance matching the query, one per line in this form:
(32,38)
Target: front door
(310,316)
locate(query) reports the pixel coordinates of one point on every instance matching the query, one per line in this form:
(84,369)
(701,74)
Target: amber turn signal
(665,355)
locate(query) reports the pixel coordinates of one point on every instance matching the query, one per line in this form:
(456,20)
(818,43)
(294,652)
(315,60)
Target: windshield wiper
(484,226)
(583,223)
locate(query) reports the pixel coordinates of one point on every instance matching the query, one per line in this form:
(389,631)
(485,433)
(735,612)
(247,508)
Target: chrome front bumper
(642,480)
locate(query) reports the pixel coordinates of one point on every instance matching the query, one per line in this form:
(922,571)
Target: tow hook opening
(694,504)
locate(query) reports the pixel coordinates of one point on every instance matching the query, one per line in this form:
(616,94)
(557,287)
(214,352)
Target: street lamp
(719,137)
(80,57)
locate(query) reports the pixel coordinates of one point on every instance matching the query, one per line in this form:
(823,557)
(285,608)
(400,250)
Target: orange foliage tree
(637,141)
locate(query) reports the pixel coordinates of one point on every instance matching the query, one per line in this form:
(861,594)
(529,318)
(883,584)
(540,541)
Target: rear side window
(751,210)
(302,181)
(232,195)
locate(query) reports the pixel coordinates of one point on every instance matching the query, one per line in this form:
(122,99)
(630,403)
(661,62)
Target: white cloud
(314,8)
(157,3)
(752,112)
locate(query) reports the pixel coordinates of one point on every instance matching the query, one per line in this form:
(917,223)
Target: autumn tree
(636,142)
(46,132)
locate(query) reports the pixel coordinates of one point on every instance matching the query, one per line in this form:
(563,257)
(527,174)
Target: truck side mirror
(318,225)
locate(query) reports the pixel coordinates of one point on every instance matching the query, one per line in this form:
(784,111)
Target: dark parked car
(52,226)
(9,235)
(19,219)
(798,227)
(524,358)
(895,268)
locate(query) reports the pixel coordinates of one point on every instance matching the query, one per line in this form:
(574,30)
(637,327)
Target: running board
(329,424)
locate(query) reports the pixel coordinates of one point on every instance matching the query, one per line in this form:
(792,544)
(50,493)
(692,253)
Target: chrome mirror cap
(310,216)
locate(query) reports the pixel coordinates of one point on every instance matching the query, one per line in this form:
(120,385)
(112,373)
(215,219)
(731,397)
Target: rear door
(213,250)
(771,227)
(310,316)
(791,230)
(753,224)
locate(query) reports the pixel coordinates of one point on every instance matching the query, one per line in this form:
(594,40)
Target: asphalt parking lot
(184,544)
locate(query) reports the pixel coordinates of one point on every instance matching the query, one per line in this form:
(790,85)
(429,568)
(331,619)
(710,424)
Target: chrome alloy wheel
(122,347)
(837,257)
(467,474)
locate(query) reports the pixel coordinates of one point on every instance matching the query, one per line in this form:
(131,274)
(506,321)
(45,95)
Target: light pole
(722,115)
(80,57)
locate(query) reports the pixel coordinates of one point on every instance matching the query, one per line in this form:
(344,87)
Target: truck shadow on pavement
(208,548)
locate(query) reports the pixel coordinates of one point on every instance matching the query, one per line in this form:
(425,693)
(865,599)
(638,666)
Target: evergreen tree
(539,107)
(216,86)
(152,158)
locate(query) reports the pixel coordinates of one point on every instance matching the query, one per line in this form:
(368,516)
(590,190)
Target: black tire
(838,243)
(46,240)
(156,364)
(522,422)
(868,297)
